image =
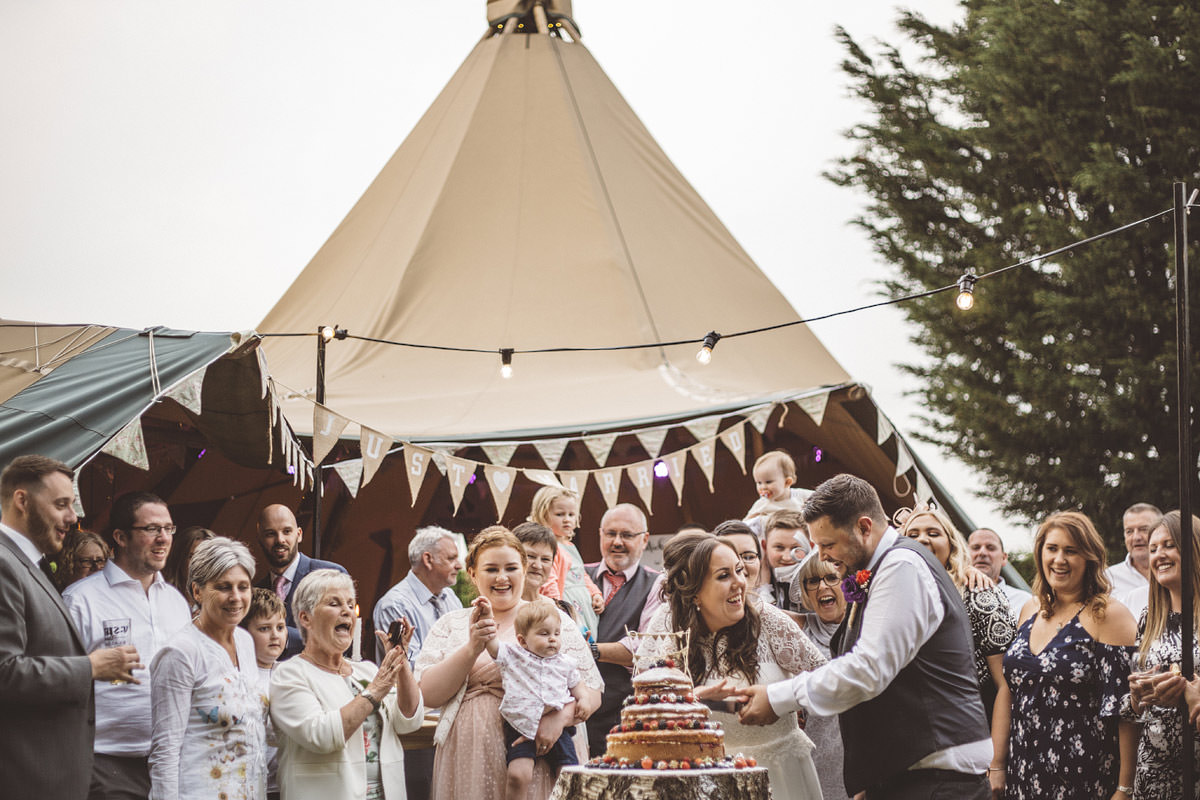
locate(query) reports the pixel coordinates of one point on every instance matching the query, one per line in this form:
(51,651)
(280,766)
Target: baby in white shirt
(538,680)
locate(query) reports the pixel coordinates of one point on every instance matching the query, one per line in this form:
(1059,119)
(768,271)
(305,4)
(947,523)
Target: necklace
(335,670)
(1063,624)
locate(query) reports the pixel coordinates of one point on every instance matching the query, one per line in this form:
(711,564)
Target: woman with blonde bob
(1156,689)
(1066,672)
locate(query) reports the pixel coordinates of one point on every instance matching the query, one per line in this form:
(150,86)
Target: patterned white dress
(782,747)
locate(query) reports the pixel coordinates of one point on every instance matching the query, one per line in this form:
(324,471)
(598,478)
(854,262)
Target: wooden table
(588,783)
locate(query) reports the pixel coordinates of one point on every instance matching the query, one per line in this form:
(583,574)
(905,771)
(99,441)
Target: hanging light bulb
(506,355)
(704,355)
(327,332)
(966,291)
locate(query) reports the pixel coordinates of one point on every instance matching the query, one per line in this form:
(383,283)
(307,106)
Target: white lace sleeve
(780,640)
(440,642)
(575,648)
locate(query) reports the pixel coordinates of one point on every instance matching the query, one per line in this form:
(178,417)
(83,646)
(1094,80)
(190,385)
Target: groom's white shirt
(905,610)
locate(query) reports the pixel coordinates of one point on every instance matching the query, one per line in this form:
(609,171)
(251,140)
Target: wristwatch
(370,698)
(595,651)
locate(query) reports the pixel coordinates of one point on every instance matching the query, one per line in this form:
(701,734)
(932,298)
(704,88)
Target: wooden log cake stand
(589,783)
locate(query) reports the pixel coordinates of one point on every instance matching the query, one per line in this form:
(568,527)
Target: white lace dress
(784,749)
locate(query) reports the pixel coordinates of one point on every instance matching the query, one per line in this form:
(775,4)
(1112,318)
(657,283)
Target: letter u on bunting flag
(609,481)
(734,438)
(641,475)
(705,455)
(500,480)
(458,472)
(416,461)
(327,427)
(374,446)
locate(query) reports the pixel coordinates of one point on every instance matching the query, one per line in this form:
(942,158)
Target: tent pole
(318,483)
(1183,406)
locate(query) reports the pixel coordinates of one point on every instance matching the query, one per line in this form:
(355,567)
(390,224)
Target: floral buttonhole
(854,587)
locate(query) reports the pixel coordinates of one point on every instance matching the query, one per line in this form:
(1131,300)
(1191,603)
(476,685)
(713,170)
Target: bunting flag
(543,476)
(600,446)
(814,405)
(641,475)
(759,416)
(77,500)
(904,459)
(676,463)
(924,492)
(129,445)
(374,446)
(500,480)
(883,428)
(703,428)
(734,438)
(551,450)
(704,453)
(327,427)
(575,480)
(351,474)
(187,392)
(459,472)
(609,481)
(500,454)
(416,462)
(652,440)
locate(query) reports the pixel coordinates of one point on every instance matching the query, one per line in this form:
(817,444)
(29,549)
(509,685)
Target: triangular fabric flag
(327,427)
(652,440)
(600,446)
(77,500)
(459,472)
(924,492)
(641,475)
(734,438)
(500,480)
(416,461)
(759,416)
(575,480)
(499,454)
(705,455)
(351,474)
(129,445)
(543,476)
(676,466)
(551,450)
(904,459)
(814,405)
(883,428)
(374,446)
(703,428)
(187,392)
(609,481)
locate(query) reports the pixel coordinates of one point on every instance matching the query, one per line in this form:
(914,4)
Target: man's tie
(281,587)
(437,606)
(615,581)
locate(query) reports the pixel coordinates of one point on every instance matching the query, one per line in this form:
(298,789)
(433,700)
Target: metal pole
(317,481)
(1183,405)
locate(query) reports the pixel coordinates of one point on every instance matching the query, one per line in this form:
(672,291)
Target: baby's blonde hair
(786,465)
(532,613)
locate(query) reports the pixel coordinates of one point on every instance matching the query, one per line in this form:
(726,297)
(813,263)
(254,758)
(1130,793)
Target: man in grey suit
(47,716)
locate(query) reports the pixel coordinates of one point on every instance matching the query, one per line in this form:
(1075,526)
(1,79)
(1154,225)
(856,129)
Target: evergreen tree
(1024,127)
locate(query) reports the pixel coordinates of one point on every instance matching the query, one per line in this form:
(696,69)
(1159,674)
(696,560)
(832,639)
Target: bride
(736,643)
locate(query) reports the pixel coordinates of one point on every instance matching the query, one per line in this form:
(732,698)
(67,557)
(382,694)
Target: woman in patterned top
(1155,691)
(1067,673)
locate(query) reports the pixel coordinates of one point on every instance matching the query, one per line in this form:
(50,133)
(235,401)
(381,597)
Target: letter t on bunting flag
(327,427)
(459,472)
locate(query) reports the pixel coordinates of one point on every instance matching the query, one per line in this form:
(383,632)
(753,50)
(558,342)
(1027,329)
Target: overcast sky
(179,163)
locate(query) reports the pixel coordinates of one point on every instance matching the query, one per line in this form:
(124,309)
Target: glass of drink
(117,634)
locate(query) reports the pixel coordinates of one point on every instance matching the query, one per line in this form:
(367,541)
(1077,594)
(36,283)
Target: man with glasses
(128,602)
(628,603)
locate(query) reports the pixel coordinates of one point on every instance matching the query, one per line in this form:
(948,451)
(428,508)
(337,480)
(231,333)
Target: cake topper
(666,649)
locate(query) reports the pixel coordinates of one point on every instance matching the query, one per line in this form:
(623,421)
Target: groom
(904,685)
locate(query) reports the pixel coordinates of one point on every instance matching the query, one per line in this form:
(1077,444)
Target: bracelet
(995,769)
(1126,789)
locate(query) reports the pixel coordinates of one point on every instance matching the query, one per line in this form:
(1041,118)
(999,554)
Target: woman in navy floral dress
(1067,672)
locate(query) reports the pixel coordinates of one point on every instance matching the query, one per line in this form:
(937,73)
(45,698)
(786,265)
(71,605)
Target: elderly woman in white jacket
(339,721)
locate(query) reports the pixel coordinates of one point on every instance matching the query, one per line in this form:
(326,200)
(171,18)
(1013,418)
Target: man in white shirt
(1134,571)
(903,683)
(131,594)
(988,556)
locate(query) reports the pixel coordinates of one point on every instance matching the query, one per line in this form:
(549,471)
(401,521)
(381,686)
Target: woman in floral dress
(1067,672)
(1155,690)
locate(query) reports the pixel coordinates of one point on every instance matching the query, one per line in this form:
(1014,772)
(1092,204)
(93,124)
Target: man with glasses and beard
(46,675)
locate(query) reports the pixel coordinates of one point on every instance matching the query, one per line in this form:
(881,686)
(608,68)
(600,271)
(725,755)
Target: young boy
(267,626)
(785,540)
(774,474)
(538,680)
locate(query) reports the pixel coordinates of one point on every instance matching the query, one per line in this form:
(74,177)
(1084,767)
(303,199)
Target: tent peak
(545,17)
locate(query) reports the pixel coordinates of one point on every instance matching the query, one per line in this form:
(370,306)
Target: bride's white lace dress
(784,749)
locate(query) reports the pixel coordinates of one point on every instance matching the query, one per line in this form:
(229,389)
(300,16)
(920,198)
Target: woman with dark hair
(749,549)
(1155,691)
(182,547)
(83,553)
(1067,672)
(736,640)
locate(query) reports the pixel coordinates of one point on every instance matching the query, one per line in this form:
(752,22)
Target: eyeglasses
(94,563)
(829,580)
(624,536)
(749,555)
(154,530)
